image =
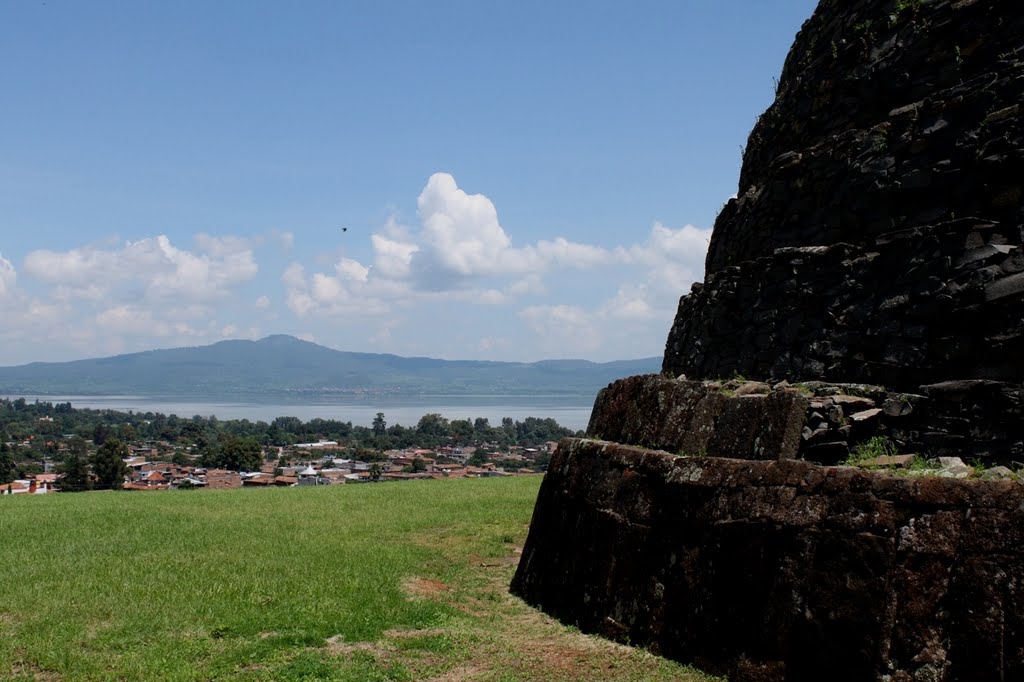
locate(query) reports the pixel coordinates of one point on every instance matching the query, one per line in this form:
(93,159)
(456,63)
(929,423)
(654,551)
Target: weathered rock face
(693,417)
(877,232)
(816,421)
(771,570)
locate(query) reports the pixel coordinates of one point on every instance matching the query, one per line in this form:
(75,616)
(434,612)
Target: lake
(571,411)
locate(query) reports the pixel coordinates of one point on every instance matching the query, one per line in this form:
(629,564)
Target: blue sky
(519,180)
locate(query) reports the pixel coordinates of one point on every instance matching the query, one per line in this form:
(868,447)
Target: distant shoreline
(569,410)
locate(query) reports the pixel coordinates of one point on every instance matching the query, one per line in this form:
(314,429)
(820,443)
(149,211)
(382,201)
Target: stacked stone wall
(772,570)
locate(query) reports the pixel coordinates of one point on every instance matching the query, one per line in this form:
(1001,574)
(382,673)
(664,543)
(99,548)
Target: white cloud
(351,270)
(128,320)
(262,303)
(462,254)
(674,257)
(152,269)
(658,271)
(631,302)
(392,257)
(8,277)
(115,297)
(222,246)
(462,237)
(460,231)
(562,327)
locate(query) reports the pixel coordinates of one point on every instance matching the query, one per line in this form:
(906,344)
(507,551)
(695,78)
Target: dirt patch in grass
(97,627)
(412,634)
(425,588)
(337,646)
(32,672)
(462,673)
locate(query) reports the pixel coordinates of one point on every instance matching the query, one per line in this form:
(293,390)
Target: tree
(432,429)
(482,428)
(100,433)
(76,474)
(417,466)
(127,432)
(237,454)
(6,465)
(379,425)
(78,446)
(375,471)
(108,464)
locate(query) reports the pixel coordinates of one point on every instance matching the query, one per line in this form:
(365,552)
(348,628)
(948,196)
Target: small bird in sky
(344,229)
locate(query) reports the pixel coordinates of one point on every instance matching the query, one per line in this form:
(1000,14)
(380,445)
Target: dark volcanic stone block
(695,417)
(783,569)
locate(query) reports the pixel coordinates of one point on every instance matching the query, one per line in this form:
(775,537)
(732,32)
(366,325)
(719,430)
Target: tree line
(58,431)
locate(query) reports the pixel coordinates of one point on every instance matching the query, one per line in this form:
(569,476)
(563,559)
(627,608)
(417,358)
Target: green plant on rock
(876,446)
(902,6)
(917,466)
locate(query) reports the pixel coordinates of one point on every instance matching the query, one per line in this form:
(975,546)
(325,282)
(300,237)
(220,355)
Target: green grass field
(402,581)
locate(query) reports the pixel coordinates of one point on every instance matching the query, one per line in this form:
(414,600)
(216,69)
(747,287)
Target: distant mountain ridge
(282,363)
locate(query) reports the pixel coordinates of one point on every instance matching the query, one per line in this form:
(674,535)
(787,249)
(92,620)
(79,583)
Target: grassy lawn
(403,581)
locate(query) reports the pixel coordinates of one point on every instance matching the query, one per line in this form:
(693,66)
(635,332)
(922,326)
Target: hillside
(286,364)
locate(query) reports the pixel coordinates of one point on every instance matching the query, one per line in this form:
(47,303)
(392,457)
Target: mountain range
(284,364)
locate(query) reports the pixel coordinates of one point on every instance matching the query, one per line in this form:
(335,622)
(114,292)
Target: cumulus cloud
(151,269)
(462,238)
(115,297)
(460,231)
(658,271)
(674,257)
(8,277)
(460,252)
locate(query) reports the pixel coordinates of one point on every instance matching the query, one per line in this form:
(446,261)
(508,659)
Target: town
(48,448)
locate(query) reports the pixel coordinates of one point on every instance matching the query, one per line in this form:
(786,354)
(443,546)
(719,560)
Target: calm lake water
(571,411)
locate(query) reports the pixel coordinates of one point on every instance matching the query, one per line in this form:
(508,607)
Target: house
(448,471)
(45,482)
(130,485)
(286,481)
(31,485)
(136,463)
(222,478)
(152,477)
(330,444)
(314,480)
(407,460)
(398,476)
(15,488)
